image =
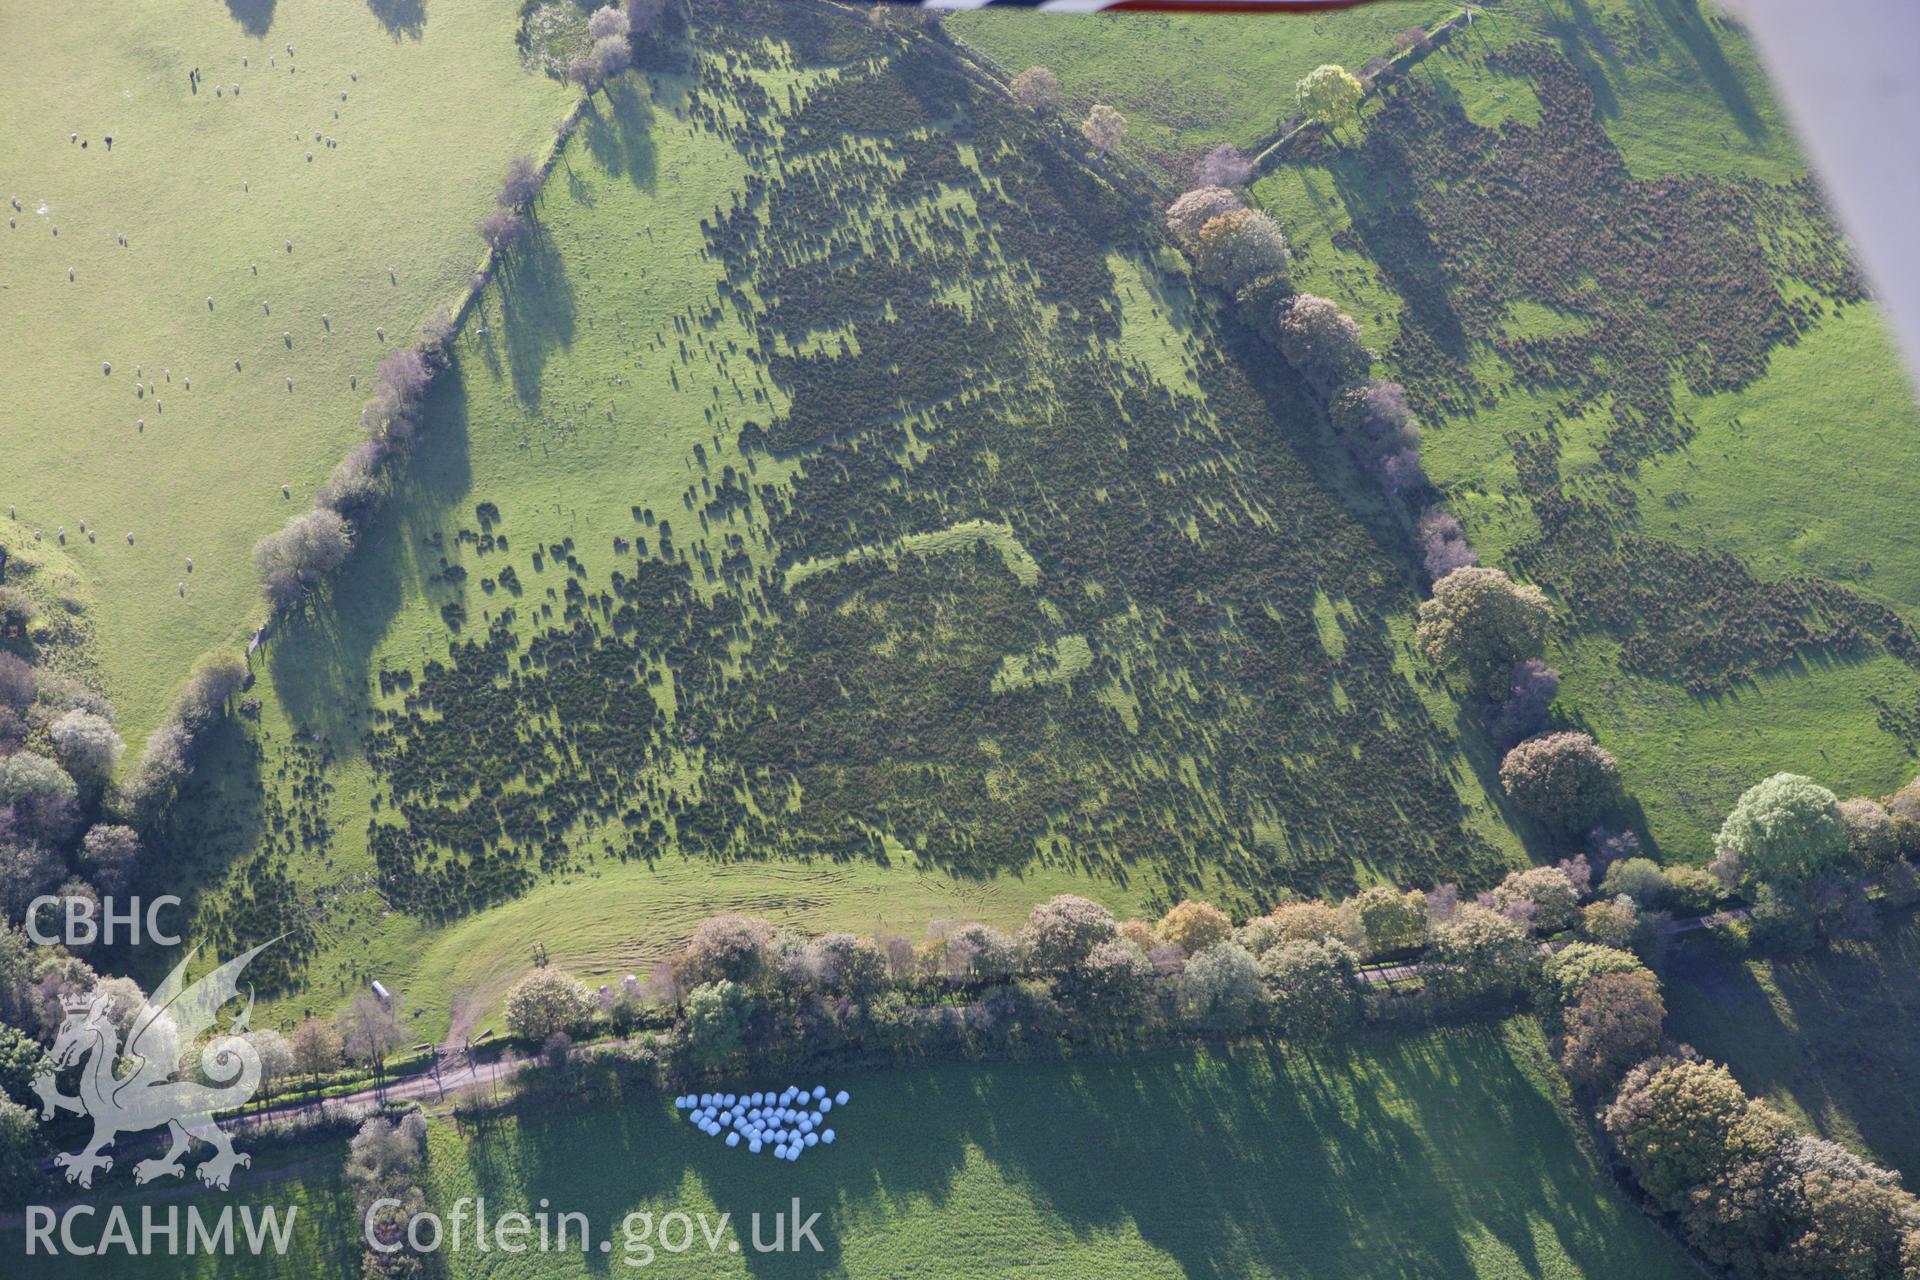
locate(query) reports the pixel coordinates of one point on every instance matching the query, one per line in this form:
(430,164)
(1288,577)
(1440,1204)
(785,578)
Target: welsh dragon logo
(146,1095)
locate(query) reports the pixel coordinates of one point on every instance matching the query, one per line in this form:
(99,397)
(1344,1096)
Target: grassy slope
(577,404)
(1828,1039)
(411,173)
(1803,471)
(1438,1155)
(1187,83)
(622,220)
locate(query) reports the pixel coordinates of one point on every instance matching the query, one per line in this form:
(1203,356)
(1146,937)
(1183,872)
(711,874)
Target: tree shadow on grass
(254,16)
(1380,192)
(1684,19)
(538,310)
(215,821)
(401,17)
(1395,1157)
(1582,44)
(1338,1161)
(620,138)
(322,661)
(1840,1051)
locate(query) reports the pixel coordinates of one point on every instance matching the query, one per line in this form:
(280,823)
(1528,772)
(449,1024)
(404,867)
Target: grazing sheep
(129,537)
(209,302)
(289,246)
(140,424)
(69,275)
(289,384)
(189,383)
(189,564)
(286,491)
(236,364)
(107,367)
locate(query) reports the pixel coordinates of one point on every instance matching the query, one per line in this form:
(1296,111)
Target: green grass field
(1793,467)
(1445,1155)
(207,190)
(1828,1039)
(1185,82)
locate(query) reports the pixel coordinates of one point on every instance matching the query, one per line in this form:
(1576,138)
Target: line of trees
(299,558)
(742,987)
(1734,1177)
(1479,626)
